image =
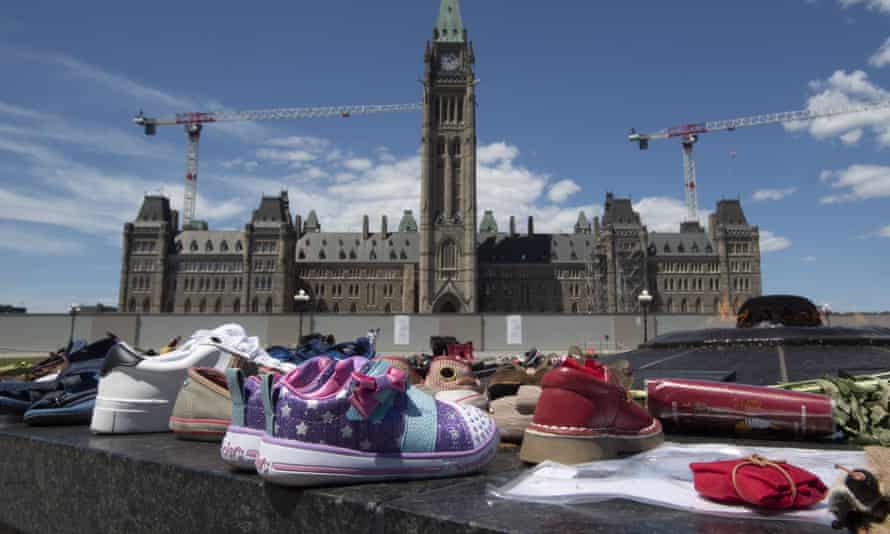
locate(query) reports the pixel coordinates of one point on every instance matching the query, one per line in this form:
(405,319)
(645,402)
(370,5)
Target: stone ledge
(64,479)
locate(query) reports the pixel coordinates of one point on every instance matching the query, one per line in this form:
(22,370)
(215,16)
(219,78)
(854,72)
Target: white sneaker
(136,393)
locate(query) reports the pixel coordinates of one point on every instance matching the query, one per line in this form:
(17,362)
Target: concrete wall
(488,332)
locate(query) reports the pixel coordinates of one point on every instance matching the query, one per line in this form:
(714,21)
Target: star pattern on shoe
(328,418)
(346,431)
(285,410)
(302,429)
(312,404)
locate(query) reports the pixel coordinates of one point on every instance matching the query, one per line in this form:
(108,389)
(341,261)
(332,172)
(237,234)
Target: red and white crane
(193,123)
(688,134)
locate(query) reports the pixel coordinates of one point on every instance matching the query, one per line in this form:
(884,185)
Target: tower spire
(449,26)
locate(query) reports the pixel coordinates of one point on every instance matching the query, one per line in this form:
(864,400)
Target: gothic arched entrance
(447,304)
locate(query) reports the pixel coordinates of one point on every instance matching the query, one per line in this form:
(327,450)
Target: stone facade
(448,262)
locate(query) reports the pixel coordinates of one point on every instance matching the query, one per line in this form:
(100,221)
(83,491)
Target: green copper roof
(311,224)
(408,224)
(449,25)
(488,225)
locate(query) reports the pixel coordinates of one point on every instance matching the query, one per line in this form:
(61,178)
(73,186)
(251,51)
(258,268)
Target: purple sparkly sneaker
(318,377)
(375,428)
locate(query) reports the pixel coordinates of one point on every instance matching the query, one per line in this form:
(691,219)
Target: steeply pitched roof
(311,224)
(449,26)
(155,210)
(583,225)
(619,212)
(349,247)
(408,223)
(272,210)
(680,244)
(730,212)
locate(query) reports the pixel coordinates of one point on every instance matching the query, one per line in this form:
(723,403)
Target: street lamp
(301,298)
(826,312)
(73,309)
(645,299)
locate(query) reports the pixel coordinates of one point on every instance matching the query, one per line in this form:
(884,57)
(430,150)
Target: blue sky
(561,84)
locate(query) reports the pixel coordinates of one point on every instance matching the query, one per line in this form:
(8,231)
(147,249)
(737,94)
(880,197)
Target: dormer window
(224,247)
(352,255)
(321,255)
(342,255)
(681,248)
(194,246)
(667,248)
(301,255)
(208,246)
(238,246)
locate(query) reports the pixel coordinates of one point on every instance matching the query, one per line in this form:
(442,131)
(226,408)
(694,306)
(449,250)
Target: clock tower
(447,277)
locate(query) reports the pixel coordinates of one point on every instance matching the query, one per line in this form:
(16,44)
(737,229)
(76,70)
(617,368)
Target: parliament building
(447,259)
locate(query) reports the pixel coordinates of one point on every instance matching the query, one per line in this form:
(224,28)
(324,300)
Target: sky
(561,84)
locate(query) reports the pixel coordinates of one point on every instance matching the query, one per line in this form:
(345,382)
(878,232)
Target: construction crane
(193,123)
(689,133)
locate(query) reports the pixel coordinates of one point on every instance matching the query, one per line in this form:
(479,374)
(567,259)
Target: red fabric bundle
(758,482)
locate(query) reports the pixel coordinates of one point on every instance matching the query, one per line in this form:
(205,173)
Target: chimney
(512,226)
(596,226)
(366,232)
(298,225)
(383,227)
(531,225)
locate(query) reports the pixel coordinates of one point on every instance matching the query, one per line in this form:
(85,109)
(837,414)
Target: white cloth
(662,477)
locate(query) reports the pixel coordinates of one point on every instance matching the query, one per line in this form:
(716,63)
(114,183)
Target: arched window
(448,256)
(194,246)
(683,306)
(132,307)
(217,307)
(716,305)
(208,246)
(321,306)
(669,305)
(336,307)
(187,307)
(269,305)
(146,305)
(352,308)
(236,306)
(574,307)
(387,308)
(202,308)
(255,305)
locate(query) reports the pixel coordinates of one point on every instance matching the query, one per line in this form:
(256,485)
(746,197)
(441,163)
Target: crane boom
(193,122)
(688,134)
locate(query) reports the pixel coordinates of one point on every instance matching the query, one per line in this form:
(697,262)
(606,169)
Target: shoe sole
(240,447)
(131,416)
(293,463)
(198,429)
(538,446)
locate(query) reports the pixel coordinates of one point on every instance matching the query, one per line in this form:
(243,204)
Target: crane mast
(688,134)
(193,123)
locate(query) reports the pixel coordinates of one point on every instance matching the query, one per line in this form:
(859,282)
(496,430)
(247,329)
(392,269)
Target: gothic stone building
(446,262)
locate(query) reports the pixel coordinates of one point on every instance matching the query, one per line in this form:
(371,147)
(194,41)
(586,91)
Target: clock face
(450,62)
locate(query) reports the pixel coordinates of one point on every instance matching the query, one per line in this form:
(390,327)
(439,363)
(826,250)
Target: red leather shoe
(583,415)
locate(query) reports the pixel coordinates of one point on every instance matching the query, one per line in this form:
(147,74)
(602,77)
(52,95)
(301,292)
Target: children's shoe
(203,408)
(376,428)
(584,414)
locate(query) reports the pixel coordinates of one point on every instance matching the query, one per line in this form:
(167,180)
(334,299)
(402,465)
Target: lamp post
(74,308)
(826,312)
(645,299)
(301,298)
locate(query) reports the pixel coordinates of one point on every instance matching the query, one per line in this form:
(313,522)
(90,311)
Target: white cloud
(770,242)
(272,154)
(37,243)
(858,182)
(852,137)
(358,164)
(885,231)
(665,214)
(882,6)
(841,90)
(496,152)
(881,58)
(562,190)
(772,194)
(308,143)
(808,259)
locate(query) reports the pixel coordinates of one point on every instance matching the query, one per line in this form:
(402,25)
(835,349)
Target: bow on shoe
(372,391)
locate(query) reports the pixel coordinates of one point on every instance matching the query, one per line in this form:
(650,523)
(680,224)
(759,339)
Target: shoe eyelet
(448,373)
